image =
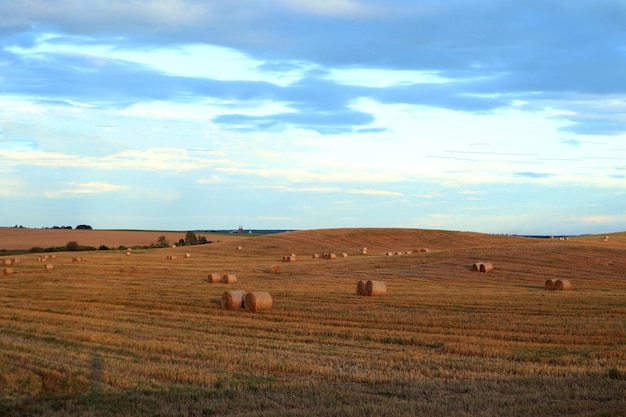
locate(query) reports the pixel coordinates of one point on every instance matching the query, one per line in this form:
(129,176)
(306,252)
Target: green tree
(162,241)
(72,246)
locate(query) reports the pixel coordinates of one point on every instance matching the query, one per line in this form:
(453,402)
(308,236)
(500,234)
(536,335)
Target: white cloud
(78,188)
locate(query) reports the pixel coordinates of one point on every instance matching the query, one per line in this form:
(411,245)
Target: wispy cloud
(77,188)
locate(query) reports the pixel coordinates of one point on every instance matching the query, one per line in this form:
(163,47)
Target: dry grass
(131,333)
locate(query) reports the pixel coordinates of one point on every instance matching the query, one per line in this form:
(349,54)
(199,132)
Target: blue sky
(491,116)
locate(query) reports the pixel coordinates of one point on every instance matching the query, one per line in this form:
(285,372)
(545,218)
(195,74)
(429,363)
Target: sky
(494,116)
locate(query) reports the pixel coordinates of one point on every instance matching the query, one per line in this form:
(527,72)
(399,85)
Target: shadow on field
(577,395)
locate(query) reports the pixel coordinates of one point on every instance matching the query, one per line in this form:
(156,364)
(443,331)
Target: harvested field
(12,238)
(139,334)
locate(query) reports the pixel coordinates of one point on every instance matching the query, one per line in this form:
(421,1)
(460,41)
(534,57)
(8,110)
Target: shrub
(72,246)
(103,247)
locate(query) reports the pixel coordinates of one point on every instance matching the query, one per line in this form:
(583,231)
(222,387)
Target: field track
(144,334)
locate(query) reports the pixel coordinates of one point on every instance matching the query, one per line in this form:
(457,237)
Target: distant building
(240,229)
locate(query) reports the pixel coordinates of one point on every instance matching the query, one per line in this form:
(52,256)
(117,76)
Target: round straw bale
(257,301)
(214,277)
(233,300)
(373,288)
(187,255)
(332,256)
(344,255)
(424,250)
(7,271)
(549,284)
(239,248)
(274,269)
(360,288)
(476,266)
(7,262)
(48,267)
(486,267)
(229,279)
(363,251)
(562,285)
(316,256)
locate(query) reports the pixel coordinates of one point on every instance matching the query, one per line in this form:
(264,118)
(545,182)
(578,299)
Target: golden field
(146,335)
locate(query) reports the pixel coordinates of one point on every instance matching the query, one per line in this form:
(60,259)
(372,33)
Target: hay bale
(48,267)
(7,271)
(239,248)
(229,279)
(476,266)
(15,260)
(360,288)
(332,256)
(214,277)
(233,300)
(75,259)
(424,250)
(187,255)
(316,256)
(128,253)
(486,267)
(274,269)
(289,258)
(7,262)
(257,301)
(562,285)
(363,251)
(374,288)
(344,255)
(549,284)
(389,253)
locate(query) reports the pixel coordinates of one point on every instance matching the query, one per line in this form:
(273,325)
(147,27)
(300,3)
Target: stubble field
(145,335)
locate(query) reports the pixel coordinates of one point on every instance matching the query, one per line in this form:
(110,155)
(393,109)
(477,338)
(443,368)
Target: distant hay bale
(7,271)
(258,301)
(562,285)
(360,288)
(486,267)
(289,258)
(408,252)
(275,269)
(482,267)
(549,284)
(187,255)
(229,279)
(75,259)
(239,248)
(344,255)
(128,253)
(397,253)
(7,262)
(332,256)
(424,250)
(363,251)
(316,256)
(233,300)
(214,277)
(15,260)
(374,288)
(171,257)
(48,267)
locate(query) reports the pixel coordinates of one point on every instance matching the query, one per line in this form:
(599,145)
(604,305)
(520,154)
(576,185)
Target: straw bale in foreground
(562,285)
(233,300)
(360,288)
(374,288)
(257,301)
(549,284)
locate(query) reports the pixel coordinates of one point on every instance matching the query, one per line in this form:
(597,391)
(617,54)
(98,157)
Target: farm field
(27,238)
(146,335)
